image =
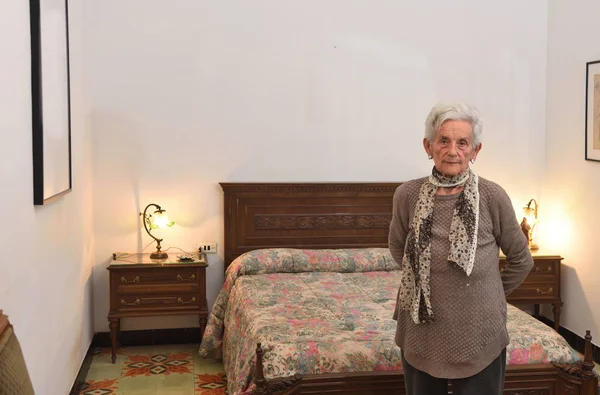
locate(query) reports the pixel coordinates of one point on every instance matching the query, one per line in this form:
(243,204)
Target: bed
(309,277)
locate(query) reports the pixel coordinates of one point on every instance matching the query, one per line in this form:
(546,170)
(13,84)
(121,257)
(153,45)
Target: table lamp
(530,219)
(159,219)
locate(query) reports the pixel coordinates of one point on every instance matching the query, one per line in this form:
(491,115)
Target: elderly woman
(446,232)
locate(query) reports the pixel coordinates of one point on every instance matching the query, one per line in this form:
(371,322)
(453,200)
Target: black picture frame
(51,100)
(592,111)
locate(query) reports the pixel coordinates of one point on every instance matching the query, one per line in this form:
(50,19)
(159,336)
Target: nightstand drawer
(153,301)
(159,276)
(539,292)
(544,271)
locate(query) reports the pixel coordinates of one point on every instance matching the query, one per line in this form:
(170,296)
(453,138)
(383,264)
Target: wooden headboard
(306,215)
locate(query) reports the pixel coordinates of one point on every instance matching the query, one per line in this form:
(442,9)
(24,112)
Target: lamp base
(159,255)
(533,246)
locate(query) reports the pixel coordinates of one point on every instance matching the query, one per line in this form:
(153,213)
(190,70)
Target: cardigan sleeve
(512,242)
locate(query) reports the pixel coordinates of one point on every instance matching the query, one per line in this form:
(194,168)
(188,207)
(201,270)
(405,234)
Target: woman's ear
(476,151)
(427,146)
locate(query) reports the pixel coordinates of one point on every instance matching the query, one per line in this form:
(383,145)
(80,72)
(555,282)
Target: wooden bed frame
(352,215)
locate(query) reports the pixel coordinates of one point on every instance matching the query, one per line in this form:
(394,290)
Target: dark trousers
(490,381)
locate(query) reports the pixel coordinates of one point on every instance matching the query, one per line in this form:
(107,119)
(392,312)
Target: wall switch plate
(208,247)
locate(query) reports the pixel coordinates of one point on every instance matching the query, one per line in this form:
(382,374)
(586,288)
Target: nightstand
(141,287)
(541,286)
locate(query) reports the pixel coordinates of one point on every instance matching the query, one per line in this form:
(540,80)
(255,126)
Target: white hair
(443,112)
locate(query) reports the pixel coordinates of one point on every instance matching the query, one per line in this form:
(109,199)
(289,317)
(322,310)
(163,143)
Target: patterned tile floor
(148,370)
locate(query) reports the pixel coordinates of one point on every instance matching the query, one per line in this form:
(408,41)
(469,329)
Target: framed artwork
(592,111)
(51,100)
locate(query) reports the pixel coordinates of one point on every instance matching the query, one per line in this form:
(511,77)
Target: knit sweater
(469,330)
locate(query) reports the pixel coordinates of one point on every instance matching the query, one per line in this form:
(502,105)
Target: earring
(429,157)
(472,161)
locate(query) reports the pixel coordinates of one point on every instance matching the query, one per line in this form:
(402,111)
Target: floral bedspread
(317,311)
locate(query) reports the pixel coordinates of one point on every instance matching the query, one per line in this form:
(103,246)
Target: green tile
(138,350)
(104,372)
(178,348)
(138,385)
(175,383)
(102,367)
(208,365)
(141,391)
(105,359)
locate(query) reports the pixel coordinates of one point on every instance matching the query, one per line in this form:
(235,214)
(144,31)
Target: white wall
(190,93)
(571,190)
(45,271)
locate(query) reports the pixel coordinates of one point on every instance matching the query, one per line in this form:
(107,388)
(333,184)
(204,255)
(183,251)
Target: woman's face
(452,147)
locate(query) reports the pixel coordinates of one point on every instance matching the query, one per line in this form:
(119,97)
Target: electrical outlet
(208,247)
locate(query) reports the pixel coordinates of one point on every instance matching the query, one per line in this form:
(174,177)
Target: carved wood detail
(536,391)
(577,370)
(331,221)
(274,386)
(308,188)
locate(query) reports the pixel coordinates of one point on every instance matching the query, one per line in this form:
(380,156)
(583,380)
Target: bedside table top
(143,259)
(541,253)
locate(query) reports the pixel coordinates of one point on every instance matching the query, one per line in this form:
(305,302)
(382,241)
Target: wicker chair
(14,378)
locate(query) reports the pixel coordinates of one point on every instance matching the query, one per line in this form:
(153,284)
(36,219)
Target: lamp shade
(160,219)
(531,212)
(531,220)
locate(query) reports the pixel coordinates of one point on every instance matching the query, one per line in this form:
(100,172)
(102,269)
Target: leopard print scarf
(414,290)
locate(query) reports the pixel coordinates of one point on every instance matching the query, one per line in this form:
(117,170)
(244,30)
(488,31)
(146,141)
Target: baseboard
(150,337)
(574,340)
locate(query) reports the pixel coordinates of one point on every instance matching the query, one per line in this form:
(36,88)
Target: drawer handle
(136,302)
(181,301)
(135,280)
(539,269)
(549,292)
(192,278)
